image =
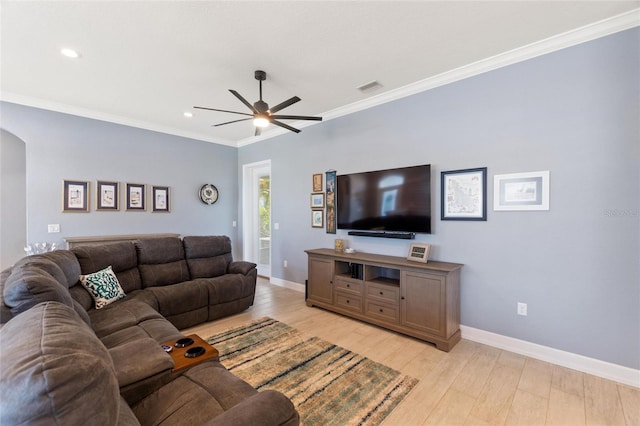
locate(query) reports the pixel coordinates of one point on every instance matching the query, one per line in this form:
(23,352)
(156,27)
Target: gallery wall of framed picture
(76,197)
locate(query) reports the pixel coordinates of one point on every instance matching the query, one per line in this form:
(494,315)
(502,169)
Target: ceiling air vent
(370,87)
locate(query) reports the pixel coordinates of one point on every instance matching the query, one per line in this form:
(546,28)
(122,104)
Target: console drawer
(348,285)
(387,293)
(383,311)
(348,301)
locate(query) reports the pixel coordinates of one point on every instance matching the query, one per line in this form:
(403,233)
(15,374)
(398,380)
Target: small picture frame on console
(419,252)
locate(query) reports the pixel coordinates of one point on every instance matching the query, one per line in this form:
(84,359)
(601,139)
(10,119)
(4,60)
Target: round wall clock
(208,194)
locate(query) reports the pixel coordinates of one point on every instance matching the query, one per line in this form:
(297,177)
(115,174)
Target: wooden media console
(421,300)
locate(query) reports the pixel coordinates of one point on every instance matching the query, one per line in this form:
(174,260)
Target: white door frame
(250,213)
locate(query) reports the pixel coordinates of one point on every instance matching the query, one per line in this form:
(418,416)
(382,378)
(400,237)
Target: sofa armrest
(264,408)
(129,370)
(241,267)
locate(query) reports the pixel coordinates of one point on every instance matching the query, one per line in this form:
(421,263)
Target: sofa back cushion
(33,280)
(122,258)
(161,261)
(207,256)
(55,370)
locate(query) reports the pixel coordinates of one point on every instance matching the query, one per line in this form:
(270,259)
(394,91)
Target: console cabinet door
(422,296)
(320,280)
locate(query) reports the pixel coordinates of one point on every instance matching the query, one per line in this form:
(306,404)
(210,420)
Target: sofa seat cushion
(128,356)
(209,393)
(120,315)
(227,288)
(122,258)
(103,287)
(182,297)
(48,377)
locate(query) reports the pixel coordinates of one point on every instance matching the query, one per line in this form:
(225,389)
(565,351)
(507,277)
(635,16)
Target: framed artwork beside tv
(521,191)
(317,218)
(463,194)
(317,200)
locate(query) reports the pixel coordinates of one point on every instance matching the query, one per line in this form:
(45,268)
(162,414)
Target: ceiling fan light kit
(261,114)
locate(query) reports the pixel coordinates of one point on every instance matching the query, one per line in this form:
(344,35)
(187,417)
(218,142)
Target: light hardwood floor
(474,384)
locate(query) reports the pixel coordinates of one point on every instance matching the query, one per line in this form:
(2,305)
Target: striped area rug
(328,385)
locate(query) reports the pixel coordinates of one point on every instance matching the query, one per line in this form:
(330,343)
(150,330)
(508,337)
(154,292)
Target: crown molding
(110,118)
(552,44)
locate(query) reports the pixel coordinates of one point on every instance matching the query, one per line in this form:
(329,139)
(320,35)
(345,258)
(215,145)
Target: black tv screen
(397,200)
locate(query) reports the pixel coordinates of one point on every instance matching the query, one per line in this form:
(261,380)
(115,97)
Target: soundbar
(385,234)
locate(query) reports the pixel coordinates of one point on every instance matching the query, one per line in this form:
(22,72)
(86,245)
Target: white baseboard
(606,370)
(603,369)
(287,284)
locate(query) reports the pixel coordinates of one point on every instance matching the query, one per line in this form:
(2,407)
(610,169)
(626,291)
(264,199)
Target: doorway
(256,215)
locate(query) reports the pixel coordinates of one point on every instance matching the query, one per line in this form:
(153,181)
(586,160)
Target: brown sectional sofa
(170,284)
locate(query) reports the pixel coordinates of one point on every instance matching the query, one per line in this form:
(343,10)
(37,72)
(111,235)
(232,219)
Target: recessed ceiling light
(70,53)
(188,114)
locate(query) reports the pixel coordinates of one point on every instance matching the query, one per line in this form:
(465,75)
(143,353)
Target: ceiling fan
(261,114)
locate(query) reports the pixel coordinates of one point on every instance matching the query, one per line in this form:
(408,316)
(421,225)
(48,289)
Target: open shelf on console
(382,275)
(348,269)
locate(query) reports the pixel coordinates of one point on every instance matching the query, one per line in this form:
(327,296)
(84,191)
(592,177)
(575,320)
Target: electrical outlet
(286,264)
(522,309)
(53,228)
(234,223)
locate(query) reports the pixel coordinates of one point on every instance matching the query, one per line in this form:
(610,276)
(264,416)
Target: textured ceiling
(145,63)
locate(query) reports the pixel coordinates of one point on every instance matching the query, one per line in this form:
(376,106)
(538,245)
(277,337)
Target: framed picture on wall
(317,182)
(463,194)
(160,196)
(317,218)
(317,200)
(136,193)
(107,196)
(75,196)
(521,191)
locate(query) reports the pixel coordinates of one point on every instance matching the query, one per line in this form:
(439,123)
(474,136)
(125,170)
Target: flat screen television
(392,200)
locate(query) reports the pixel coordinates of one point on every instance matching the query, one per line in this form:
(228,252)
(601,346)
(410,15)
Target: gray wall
(13,199)
(61,146)
(574,113)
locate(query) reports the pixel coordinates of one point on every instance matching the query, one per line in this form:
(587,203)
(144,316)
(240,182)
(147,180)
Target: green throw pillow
(103,286)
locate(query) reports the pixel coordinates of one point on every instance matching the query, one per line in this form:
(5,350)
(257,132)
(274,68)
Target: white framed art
(521,191)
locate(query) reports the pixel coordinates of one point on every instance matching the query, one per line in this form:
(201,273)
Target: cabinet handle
(347,300)
(402,297)
(348,285)
(381,294)
(381,310)
(330,282)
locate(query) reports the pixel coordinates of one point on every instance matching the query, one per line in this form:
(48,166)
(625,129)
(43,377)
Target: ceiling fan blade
(295,117)
(223,110)
(229,122)
(284,104)
(258,131)
(286,126)
(243,100)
